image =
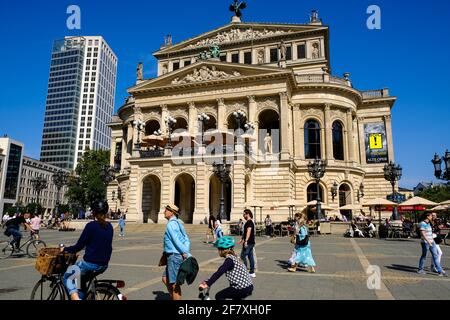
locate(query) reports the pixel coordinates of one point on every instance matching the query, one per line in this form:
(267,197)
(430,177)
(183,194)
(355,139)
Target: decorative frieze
(238,34)
(206,74)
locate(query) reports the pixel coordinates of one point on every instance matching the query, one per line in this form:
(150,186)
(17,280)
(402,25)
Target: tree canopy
(437,194)
(86,185)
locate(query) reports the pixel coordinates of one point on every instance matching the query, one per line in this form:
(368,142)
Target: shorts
(174,262)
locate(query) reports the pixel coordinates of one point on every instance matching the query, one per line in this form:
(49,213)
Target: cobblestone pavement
(341,269)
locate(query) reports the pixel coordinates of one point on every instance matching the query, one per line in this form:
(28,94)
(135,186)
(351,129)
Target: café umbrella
(322,206)
(291,204)
(418,201)
(379,202)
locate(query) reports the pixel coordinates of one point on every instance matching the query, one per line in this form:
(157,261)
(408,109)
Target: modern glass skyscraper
(80,100)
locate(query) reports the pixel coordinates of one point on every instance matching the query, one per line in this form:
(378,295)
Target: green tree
(86,185)
(436,194)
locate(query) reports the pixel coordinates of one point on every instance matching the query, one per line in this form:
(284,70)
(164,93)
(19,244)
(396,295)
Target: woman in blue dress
(303,255)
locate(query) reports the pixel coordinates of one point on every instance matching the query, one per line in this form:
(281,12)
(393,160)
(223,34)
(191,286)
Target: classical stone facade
(294,105)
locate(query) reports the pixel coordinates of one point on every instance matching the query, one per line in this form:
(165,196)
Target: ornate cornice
(205,74)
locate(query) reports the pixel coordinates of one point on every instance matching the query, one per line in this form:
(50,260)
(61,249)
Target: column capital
(283,95)
(327,106)
(164,107)
(387,117)
(251,99)
(360,119)
(191,104)
(220,101)
(349,111)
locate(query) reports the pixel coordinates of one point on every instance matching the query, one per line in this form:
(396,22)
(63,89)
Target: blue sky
(410,55)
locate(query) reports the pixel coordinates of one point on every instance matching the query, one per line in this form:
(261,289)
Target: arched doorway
(214,197)
(345,198)
(311,195)
(181,124)
(151,126)
(184,197)
(269,123)
(151,198)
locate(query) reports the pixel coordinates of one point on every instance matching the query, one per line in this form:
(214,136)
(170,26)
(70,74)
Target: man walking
(176,249)
(211,227)
(248,241)
(428,243)
(122,225)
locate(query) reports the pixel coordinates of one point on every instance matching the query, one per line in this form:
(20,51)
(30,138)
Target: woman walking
(303,256)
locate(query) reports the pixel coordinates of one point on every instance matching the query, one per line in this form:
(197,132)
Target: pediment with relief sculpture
(236,33)
(207,72)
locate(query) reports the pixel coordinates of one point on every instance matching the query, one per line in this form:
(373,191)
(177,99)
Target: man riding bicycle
(96,239)
(13,228)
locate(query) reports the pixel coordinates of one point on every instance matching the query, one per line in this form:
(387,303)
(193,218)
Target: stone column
(252,117)
(134,198)
(284,123)
(350,138)
(299,133)
(130,138)
(201,189)
(164,115)
(389,138)
(238,190)
(166,190)
(124,162)
(112,153)
(193,121)
(221,115)
(328,133)
(362,145)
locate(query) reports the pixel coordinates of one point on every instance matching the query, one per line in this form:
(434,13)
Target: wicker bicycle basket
(53,261)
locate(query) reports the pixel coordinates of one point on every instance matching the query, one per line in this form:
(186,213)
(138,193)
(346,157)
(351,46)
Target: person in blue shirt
(122,225)
(96,239)
(176,249)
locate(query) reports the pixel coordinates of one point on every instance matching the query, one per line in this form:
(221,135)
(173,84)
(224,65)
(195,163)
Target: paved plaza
(341,269)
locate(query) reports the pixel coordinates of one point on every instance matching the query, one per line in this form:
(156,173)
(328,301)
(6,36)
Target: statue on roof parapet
(237,8)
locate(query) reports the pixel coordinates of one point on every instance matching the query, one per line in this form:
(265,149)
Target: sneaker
(421,272)
(434,270)
(443,274)
(292,269)
(253,275)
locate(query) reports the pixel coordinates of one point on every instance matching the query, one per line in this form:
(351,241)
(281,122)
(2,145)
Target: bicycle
(8,248)
(51,287)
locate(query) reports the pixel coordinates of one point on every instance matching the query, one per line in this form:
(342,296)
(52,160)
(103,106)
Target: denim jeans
(17,235)
(434,256)
(248,252)
(122,228)
(86,268)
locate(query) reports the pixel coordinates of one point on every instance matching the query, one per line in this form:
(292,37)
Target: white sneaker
(253,275)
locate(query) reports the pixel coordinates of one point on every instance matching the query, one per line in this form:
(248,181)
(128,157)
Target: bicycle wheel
(34,246)
(46,289)
(6,250)
(104,291)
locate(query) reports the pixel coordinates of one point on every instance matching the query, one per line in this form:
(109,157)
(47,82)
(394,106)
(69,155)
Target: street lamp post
(59,180)
(203,118)
(437,162)
(39,183)
(316,170)
(393,173)
(170,121)
(240,117)
(107,174)
(222,171)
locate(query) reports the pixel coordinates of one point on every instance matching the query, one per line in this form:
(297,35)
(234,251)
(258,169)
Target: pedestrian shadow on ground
(282,264)
(159,295)
(404,268)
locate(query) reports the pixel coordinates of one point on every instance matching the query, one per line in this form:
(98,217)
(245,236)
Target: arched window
(312,140)
(345,197)
(311,195)
(338,141)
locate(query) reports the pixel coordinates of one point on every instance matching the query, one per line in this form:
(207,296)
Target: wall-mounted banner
(376,143)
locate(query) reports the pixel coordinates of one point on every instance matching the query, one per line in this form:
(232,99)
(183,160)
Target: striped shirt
(426,226)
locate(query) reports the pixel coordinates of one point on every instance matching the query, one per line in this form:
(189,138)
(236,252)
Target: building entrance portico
(151,198)
(184,196)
